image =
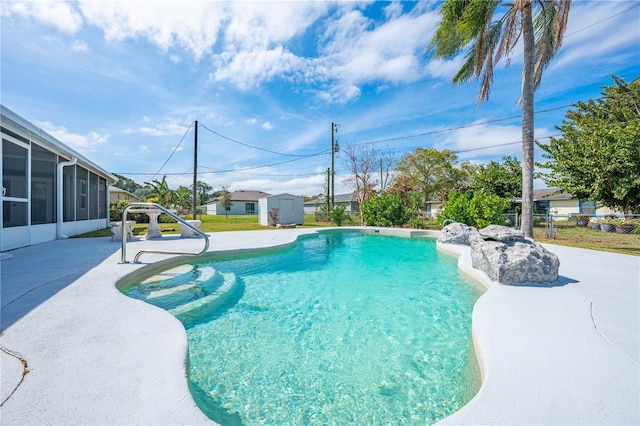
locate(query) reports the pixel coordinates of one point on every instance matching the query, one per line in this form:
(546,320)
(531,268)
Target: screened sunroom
(49,191)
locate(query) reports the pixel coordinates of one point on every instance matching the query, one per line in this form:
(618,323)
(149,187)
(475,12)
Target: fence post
(549,227)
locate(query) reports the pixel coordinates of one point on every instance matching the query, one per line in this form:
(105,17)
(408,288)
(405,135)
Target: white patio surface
(567,353)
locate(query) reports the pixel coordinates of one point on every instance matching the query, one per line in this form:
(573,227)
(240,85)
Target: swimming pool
(340,328)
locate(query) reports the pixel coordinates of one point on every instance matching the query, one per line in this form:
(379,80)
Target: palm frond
(550,23)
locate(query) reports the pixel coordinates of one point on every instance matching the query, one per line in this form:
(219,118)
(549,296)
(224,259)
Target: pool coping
(96,356)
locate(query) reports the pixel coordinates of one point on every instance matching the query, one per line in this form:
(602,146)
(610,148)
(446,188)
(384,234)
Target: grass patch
(211,223)
(566,232)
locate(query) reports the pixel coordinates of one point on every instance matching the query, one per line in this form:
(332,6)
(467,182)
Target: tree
(366,163)
(184,197)
(127,184)
(204,192)
(160,190)
(225,200)
(598,155)
(430,172)
(469,24)
(501,179)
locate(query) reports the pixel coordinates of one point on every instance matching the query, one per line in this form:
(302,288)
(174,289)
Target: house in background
(242,202)
(290,209)
(317,205)
(117,194)
(49,191)
(554,201)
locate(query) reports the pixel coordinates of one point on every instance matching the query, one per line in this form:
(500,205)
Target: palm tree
(160,189)
(541,23)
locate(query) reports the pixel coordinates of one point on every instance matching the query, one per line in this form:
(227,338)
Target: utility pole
(381,176)
(328,191)
(195,172)
(334,148)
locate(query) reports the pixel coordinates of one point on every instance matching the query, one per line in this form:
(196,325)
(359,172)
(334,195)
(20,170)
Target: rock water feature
(504,254)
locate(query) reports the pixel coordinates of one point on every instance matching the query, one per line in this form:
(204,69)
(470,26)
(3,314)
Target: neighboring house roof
(50,142)
(243,195)
(551,194)
(350,197)
(548,194)
(115,189)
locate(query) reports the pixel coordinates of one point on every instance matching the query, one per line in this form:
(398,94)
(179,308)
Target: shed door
(286,211)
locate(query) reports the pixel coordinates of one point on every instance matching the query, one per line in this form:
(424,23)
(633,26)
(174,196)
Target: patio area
(567,353)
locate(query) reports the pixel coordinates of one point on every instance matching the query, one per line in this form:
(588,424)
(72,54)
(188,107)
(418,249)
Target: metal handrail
(123,258)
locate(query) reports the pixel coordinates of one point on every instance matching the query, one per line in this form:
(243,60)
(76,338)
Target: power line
(173,152)
(251,146)
(450,129)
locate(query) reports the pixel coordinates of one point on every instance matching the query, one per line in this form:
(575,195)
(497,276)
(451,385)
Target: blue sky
(123,83)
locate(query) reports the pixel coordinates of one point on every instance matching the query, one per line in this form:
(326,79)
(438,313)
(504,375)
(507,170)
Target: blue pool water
(342,328)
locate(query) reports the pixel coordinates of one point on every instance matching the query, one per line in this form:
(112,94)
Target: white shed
(290,209)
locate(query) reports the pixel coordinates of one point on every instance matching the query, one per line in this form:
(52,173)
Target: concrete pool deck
(561,354)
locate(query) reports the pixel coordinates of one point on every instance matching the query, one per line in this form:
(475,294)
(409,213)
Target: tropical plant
(470,24)
(475,208)
(184,197)
(164,195)
(597,157)
(338,214)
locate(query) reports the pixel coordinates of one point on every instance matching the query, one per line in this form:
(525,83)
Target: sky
(123,83)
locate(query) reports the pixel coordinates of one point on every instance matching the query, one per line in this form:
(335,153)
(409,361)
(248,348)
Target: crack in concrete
(25,370)
(595,325)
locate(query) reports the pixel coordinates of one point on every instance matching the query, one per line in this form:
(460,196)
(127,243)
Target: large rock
(514,261)
(457,233)
(501,233)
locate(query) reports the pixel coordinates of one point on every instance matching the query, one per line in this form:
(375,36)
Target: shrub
(385,210)
(475,208)
(337,215)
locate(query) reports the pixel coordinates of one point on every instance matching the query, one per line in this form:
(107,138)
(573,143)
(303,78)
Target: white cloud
(58,14)
(391,51)
(267,126)
(167,128)
(249,69)
(192,25)
(83,143)
(79,46)
(477,137)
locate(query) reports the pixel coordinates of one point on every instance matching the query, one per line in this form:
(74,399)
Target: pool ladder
(168,212)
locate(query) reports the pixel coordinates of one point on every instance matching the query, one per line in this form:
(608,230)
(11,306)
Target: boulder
(457,233)
(501,233)
(514,261)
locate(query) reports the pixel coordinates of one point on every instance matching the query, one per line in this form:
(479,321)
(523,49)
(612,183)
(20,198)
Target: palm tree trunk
(527,120)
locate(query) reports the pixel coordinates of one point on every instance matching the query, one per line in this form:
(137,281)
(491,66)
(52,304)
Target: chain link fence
(552,226)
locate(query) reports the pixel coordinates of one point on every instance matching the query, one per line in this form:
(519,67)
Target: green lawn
(567,234)
(212,223)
